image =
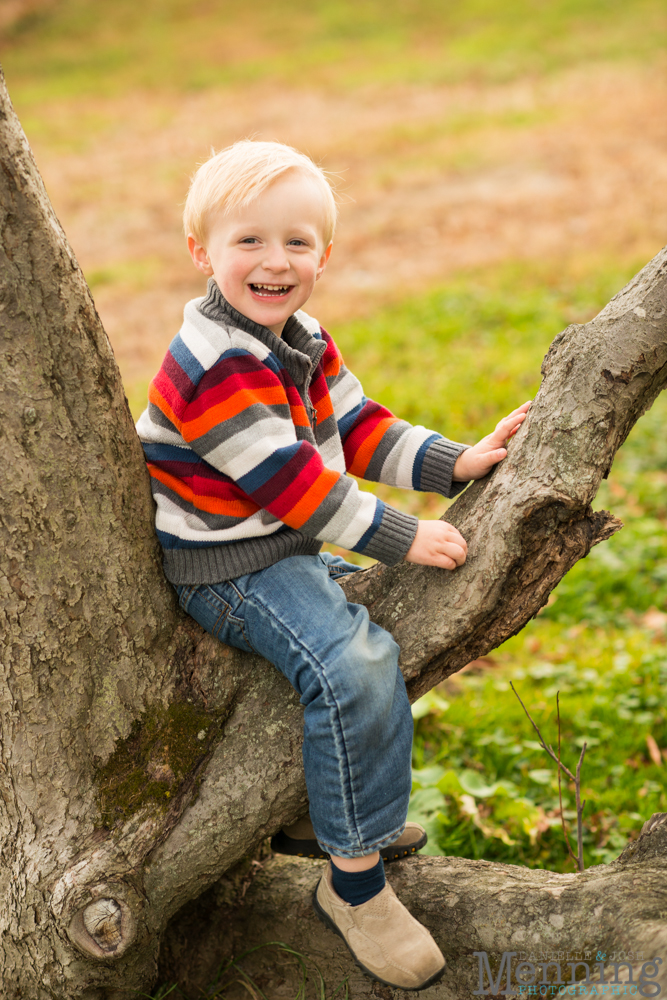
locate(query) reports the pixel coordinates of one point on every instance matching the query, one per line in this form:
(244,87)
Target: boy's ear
(199,256)
(324,260)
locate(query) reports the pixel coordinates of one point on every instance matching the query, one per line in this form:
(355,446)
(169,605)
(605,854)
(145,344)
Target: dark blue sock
(358,887)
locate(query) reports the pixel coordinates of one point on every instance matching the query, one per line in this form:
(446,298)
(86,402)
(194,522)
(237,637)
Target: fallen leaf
(655,620)
(654,751)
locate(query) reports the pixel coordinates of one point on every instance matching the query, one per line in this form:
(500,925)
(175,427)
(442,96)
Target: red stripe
(293,493)
(225,389)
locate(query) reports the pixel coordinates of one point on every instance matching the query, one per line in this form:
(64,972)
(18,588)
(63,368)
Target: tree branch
(615,910)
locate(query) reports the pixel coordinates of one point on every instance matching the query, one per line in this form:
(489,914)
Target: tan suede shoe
(386,941)
(299,841)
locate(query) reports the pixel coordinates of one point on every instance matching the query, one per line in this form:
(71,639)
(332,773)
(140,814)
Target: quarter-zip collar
(297,349)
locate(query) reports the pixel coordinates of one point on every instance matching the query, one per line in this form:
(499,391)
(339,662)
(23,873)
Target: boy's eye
(249,239)
(296,243)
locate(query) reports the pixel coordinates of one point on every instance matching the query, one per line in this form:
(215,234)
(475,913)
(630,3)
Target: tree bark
(616,910)
(140,760)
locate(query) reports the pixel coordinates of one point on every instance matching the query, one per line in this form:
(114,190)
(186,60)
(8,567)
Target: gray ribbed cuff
(216,563)
(392,540)
(438,466)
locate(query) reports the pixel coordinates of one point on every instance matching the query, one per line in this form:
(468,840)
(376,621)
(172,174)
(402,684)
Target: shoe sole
(328,922)
(282,844)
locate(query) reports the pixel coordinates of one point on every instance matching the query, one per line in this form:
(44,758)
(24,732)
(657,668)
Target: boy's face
(267,256)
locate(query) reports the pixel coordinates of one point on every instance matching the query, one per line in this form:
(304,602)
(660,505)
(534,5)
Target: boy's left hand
(480,459)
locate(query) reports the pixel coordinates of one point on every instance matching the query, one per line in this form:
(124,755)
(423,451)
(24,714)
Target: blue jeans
(357,721)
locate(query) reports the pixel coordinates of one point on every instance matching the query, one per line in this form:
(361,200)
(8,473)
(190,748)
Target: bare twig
(579,857)
(580,810)
(560,787)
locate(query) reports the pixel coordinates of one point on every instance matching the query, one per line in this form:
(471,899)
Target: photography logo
(582,974)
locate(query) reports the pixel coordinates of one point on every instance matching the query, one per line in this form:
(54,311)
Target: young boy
(252,424)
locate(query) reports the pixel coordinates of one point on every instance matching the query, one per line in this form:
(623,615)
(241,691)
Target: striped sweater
(249,436)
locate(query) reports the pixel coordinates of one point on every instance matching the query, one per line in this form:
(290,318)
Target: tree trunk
(140,759)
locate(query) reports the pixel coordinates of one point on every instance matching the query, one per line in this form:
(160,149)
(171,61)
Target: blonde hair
(238,174)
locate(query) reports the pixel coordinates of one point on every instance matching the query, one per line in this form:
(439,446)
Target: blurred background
(502,171)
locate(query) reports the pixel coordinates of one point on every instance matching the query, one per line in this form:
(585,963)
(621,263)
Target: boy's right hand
(438,543)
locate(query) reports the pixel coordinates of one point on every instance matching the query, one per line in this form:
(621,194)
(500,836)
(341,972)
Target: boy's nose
(275,259)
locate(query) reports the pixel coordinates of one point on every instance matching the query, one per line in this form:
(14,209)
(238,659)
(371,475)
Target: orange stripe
(158,400)
(332,364)
(311,499)
(212,505)
(365,452)
(236,403)
(324,408)
(299,416)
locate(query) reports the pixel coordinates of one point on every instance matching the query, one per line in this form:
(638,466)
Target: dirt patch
(432,180)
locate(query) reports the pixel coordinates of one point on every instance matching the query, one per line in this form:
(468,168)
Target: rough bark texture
(469,906)
(140,760)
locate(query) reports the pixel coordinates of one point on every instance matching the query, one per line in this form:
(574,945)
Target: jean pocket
(340,569)
(218,608)
(206,606)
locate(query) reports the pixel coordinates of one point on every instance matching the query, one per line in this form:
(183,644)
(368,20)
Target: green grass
(483,786)
(460,357)
(76,47)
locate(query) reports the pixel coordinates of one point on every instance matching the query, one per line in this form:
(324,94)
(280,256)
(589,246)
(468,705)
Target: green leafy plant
(574,778)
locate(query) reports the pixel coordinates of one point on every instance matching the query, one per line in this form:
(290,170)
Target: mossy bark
(114,813)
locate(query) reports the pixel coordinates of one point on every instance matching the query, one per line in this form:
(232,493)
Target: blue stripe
(368,534)
(186,359)
(271,361)
(169,453)
(346,423)
(169,541)
(267,469)
(419,461)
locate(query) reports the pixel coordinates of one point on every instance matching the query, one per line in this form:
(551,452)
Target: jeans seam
(183,598)
(241,625)
(320,665)
(236,590)
(222,616)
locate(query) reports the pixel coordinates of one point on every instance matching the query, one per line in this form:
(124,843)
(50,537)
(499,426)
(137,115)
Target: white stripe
(309,322)
(205,347)
(174,521)
(344,514)
(400,462)
(152,433)
(332,454)
(345,395)
(264,433)
(246,342)
(359,524)
(250,457)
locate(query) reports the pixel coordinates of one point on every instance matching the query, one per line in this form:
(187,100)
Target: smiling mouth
(270,291)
